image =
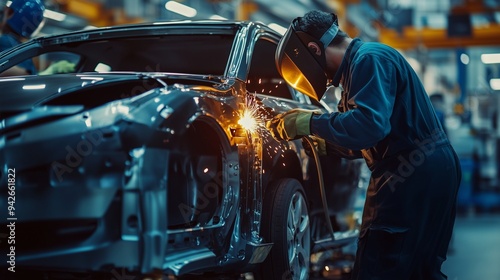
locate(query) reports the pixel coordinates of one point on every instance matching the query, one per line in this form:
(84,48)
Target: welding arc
(321,184)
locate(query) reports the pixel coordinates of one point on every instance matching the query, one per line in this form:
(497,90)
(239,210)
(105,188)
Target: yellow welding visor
(301,69)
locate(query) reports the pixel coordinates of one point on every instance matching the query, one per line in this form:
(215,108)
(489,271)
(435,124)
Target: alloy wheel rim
(298,237)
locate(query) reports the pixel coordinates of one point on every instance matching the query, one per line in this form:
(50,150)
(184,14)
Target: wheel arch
(287,165)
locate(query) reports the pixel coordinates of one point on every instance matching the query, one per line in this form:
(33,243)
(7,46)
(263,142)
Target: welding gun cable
(321,185)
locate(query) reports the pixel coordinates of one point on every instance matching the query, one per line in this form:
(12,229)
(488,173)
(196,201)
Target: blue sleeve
(370,101)
(5,44)
(332,149)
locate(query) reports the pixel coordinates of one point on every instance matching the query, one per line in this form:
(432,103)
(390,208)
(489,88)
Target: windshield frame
(64,42)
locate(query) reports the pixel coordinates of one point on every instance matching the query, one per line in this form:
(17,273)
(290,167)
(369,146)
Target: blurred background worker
(386,117)
(19,20)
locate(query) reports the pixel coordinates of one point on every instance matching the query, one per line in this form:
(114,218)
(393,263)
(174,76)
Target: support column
(246,9)
(462,85)
(461,75)
(496,126)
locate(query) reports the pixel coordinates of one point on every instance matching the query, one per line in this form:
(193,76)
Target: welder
(18,22)
(385,116)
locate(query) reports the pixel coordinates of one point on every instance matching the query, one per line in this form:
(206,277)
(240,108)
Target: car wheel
(286,224)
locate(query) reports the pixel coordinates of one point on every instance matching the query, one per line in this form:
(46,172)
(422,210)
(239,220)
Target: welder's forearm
(348,130)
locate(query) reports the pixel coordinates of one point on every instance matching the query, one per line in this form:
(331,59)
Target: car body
(138,159)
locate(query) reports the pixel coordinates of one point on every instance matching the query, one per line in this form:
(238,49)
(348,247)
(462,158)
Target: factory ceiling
(405,24)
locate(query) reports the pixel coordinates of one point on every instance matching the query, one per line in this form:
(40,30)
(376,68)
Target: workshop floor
(475,248)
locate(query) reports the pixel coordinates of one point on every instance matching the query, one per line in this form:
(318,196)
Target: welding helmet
(301,68)
(27,17)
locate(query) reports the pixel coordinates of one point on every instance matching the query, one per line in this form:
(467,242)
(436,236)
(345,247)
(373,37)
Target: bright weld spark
(251,119)
(248,121)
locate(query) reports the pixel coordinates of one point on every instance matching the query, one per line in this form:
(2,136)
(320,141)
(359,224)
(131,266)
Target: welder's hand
(290,125)
(62,66)
(319,145)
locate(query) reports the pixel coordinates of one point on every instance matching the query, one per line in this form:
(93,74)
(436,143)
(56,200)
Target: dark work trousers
(408,216)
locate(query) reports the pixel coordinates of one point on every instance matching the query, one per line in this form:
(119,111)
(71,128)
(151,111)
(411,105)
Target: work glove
(290,125)
(318,143)
(62,66)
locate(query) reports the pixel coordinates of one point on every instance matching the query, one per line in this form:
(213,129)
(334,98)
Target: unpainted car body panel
(145,170)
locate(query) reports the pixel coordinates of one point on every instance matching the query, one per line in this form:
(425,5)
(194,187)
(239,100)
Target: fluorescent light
(180,9)
(490,58)
(54,15)
(278,28)
(28,87)
(495,84)
(464,58)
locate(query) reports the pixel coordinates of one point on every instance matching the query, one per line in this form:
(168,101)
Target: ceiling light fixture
(180,9)
(54,15)
(495,84)
(464,58)
(490,58)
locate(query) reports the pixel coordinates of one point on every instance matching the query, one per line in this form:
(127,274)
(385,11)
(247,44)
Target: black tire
(286,224)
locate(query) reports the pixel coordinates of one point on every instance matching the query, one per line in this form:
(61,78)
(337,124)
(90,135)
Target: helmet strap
(329,34)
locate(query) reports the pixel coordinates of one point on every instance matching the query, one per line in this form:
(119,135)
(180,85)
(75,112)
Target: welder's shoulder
(379,50)
(373,51)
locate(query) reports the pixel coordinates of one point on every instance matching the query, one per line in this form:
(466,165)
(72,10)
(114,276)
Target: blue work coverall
(386,117)
(8,41)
